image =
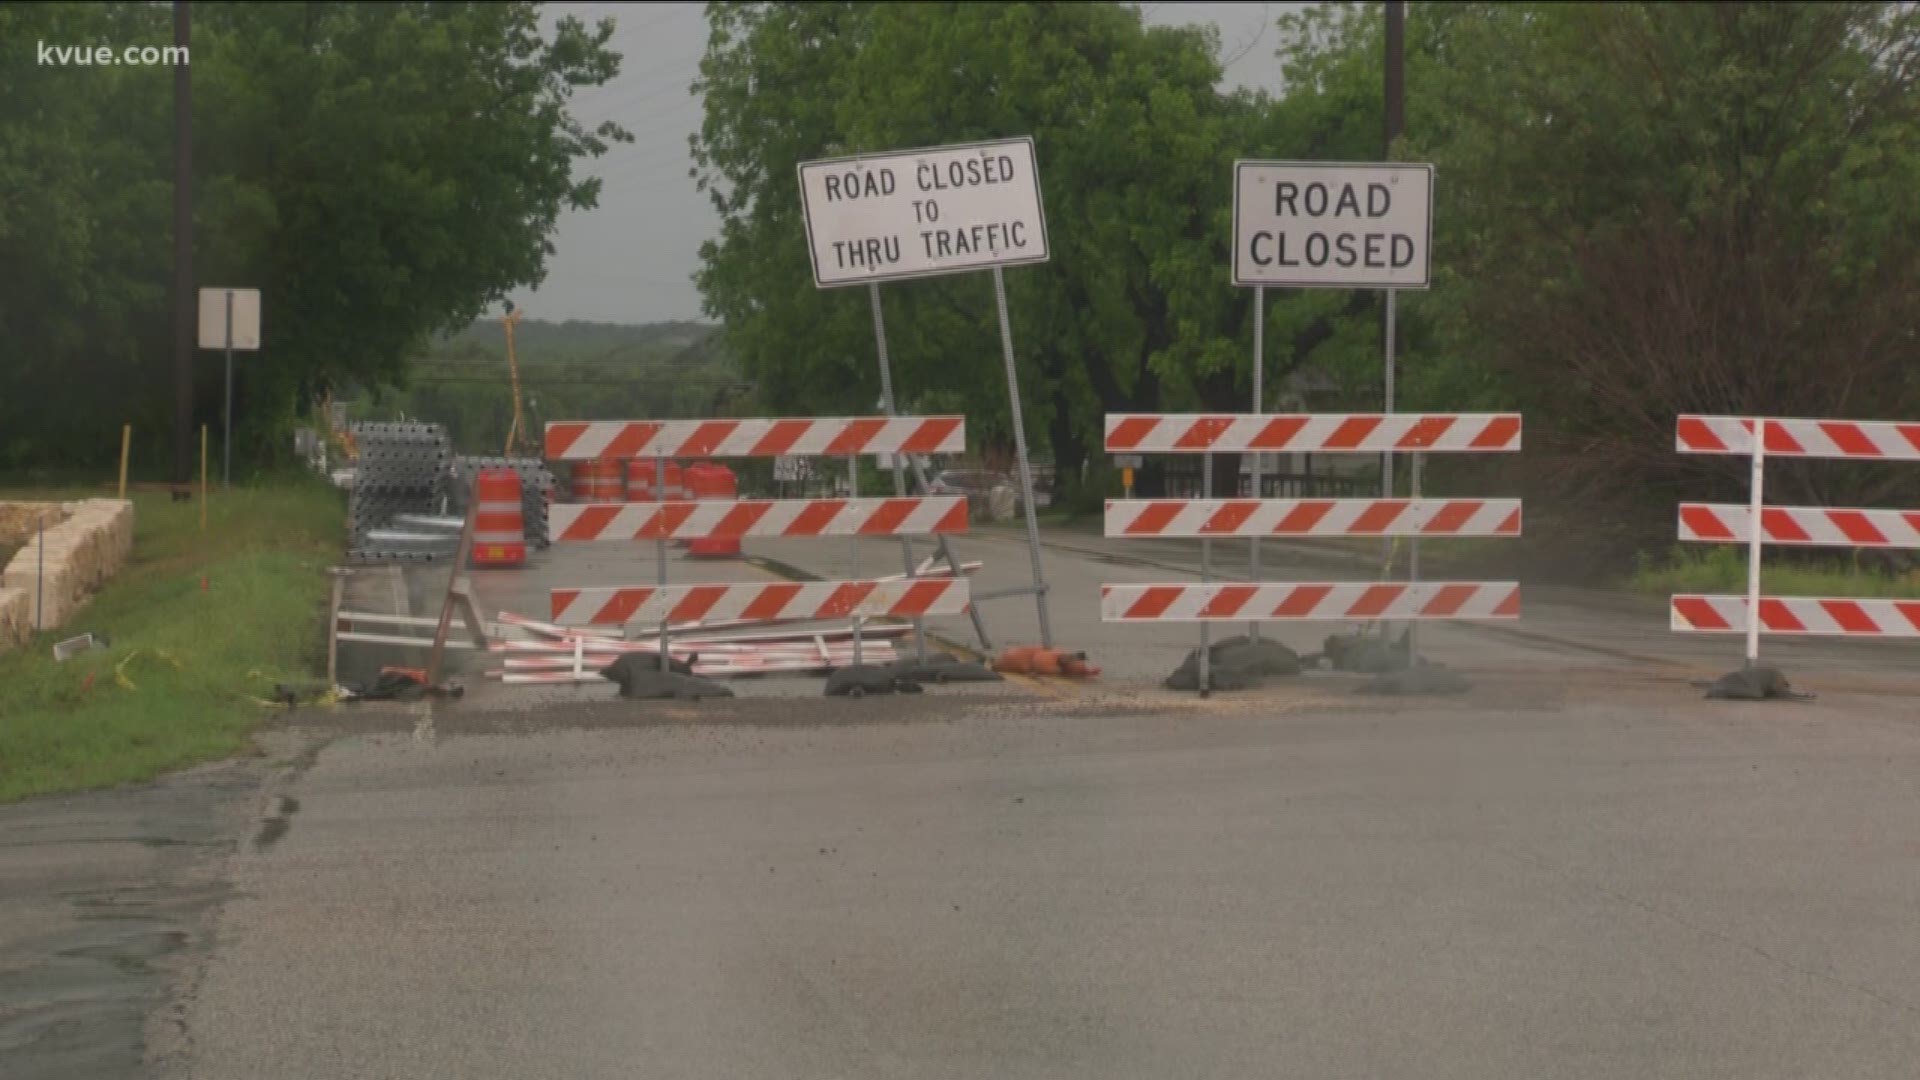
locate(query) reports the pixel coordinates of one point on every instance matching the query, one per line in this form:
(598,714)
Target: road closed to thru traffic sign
(1326,225)
(916,213)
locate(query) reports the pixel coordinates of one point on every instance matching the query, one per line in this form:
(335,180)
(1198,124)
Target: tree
(83,236)
(1645,209)
(380,171)
(1133,145)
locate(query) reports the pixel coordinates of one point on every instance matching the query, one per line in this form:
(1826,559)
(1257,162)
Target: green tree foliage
(1133,143)
(1648,209)
(379,171)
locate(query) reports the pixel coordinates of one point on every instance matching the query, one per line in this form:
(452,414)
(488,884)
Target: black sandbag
(1367,654)
(859,680)
(622,668)
(1754,684)
(390,686)
(639,677)
(1237,663)
(941,668)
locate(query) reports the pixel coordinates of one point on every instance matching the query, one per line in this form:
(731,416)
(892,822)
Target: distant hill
(572,370)
(537,339)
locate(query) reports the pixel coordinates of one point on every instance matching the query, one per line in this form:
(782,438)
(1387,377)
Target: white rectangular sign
(1306,224)
(917,213)
(246,319)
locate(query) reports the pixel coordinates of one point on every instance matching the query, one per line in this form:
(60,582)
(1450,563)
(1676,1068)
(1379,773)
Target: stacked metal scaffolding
(401,471)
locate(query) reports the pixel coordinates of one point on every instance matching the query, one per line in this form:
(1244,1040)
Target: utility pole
(1395,112)
(1396,89)
(1394,94)
(184,306)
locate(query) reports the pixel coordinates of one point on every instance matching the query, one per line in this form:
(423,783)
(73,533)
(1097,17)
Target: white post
(226,435)
(40,578)
(1020,448)
(1413,562)
(660,554)
(1386,458)
(1206,575)
(1259,406)
(1753,540)
(899,468)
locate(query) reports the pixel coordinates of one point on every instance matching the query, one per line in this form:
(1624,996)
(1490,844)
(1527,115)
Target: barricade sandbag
(860,680)
(1243,661)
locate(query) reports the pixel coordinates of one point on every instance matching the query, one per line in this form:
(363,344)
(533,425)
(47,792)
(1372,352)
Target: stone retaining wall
(82,552)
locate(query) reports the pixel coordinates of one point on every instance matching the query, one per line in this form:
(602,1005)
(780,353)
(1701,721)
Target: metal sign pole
(226,437)
(1754,493)
(40,577)
(1259,406)
(1206,575)
(899,470)
(1386,458)
(1020,447)
(660,553)
(853,566)
(1413,559)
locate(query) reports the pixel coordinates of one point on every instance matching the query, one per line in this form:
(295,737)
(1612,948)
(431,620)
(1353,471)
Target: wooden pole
(126,438)
(456,594)
(203,478)
(184,307)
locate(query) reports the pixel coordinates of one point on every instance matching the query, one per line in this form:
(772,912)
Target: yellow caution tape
(120,669)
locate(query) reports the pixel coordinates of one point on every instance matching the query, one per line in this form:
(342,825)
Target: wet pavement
(1576,868)
(106,908)
(1590,877)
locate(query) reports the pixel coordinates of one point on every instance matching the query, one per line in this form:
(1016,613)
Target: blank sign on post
(246,319)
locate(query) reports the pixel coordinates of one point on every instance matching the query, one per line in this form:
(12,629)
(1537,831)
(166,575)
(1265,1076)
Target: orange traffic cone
(1078,667)
(1016,660)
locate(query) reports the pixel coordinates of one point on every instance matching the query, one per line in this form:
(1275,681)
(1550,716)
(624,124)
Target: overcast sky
(631,259)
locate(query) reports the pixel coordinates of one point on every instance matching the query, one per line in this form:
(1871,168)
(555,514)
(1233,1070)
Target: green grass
(1723,569)
(187,666)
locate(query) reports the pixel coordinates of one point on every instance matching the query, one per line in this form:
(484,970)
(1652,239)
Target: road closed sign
(1304,224)
(917,213)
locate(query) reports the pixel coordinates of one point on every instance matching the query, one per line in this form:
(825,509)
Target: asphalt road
(1579,869)
(1554,881)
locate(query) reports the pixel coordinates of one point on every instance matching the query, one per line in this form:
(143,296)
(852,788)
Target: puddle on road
(116,892)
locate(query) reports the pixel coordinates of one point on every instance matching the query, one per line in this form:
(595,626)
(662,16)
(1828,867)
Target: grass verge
(187,667)
(1723,569)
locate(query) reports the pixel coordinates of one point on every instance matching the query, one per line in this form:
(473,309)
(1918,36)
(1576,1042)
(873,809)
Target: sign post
(1332,225)
(1259,407)
(229,320)
(921,213)
(893,460)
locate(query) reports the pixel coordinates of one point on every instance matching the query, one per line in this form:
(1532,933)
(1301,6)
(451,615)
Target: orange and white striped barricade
(760,518)
(1798,526)
(499,524)
(696,520)
(1208,518)
(759,602)
(588,440)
